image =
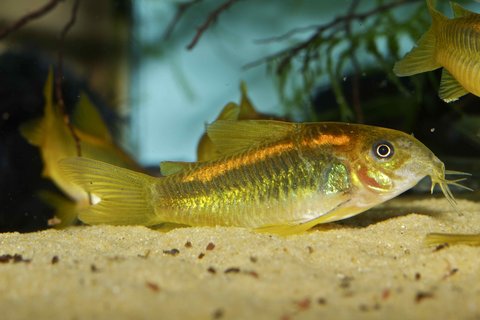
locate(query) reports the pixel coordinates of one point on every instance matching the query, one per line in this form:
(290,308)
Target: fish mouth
(438,177)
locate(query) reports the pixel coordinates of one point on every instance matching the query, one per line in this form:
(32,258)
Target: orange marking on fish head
(374,180)
(317,139)
(366,180)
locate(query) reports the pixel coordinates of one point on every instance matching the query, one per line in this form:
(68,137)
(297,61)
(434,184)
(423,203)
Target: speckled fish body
(273,176)
(453,44)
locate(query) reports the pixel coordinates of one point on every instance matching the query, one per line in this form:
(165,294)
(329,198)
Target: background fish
(51,135)
(272,176)
(232,111)
(452,238)
(453,44)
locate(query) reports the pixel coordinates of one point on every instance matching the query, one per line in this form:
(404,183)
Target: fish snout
(437,168)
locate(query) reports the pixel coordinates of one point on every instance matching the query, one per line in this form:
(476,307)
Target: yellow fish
(55,141)
(451,238)
(232,111)
(273,176)
(453,44)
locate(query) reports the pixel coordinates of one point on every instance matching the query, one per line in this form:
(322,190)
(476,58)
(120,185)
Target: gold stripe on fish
(215,169)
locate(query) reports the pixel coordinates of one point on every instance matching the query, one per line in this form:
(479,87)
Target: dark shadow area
(22,77)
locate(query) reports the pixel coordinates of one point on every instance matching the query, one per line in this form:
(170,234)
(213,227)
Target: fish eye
(383,150)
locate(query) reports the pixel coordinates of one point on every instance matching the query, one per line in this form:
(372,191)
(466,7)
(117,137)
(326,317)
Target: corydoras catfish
(273,176)
(453,44)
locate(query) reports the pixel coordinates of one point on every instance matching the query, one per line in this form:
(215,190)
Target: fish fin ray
(422,57)
(231,137)
(126,196)
(450,89)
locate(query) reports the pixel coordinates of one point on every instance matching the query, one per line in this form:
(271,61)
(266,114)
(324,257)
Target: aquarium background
(176,91)
(156,96)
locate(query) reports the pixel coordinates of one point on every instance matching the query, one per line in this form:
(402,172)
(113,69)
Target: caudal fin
(125,196)
(422,57)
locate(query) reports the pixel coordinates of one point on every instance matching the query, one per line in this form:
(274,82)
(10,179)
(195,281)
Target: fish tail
(125,197)
(422,57)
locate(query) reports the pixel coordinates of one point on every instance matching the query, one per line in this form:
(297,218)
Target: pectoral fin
(450,89)
(338,213)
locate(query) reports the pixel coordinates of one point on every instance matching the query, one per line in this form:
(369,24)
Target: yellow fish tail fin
(422,57)
(120,196)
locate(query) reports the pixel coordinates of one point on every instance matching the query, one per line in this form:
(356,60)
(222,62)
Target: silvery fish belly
(272,176)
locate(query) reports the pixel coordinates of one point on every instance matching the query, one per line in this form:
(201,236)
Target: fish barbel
(453,44)
(273,176)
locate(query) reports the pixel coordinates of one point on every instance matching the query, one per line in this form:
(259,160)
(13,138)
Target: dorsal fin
(459,11)
(231,137)
(87,118)
(229,112)
(247,109)
(171,167)
(205,149)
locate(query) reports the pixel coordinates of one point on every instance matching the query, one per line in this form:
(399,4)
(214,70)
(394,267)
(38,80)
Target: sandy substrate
(372,266)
